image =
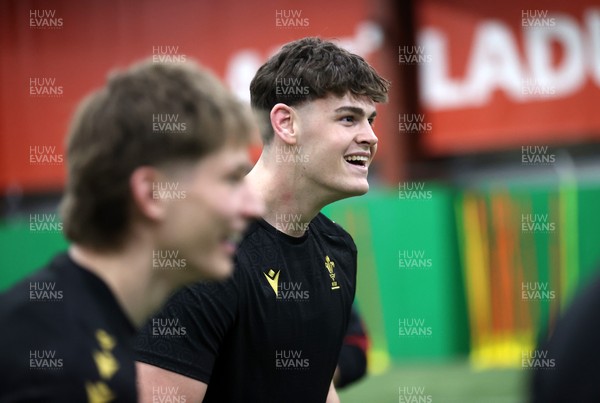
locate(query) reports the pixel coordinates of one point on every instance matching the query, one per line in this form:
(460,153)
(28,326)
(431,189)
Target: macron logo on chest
(295,290)
(286,291)
(273,279)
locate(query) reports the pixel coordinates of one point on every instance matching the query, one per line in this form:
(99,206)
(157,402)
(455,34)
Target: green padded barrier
(410,291)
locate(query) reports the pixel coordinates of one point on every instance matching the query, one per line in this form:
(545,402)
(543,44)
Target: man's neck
(128,273)
(291,202)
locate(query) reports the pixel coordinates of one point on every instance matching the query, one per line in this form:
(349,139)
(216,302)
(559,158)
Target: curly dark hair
(308,69)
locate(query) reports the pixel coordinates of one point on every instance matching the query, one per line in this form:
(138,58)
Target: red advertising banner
(499,75)
(54,52)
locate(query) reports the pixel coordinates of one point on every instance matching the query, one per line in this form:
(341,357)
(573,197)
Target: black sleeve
(352,363)
(185,336)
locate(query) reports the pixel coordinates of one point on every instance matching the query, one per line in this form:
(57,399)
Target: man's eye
(349,119)
(372,121)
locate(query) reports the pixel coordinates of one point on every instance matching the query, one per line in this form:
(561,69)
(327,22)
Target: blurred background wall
(482,220)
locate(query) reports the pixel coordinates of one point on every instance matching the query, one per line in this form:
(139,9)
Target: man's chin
(216,269)
(352,191)
(222,269)
(359,189)
(364,190)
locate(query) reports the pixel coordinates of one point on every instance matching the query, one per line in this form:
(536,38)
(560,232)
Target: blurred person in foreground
(67,330)
(273,332)
(568,369)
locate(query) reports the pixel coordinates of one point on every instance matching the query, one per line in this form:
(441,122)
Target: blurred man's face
(206,225)
(337,135)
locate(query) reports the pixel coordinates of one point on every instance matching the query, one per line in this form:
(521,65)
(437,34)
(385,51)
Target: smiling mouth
(358,160)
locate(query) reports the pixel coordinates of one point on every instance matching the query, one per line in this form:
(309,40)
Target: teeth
(356,158)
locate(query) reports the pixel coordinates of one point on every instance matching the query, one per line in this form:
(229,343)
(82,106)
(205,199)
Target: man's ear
(284,124)
(144,181)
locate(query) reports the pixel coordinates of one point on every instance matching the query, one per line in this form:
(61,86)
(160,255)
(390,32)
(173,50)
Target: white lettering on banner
(494,62)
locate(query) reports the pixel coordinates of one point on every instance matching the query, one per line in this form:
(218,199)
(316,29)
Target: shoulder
(53,302)
(41,330)
(258,245)
(330,229)
(33,299)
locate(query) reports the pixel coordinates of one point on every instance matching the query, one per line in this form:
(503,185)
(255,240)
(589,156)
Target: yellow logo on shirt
(98,392)
(106,363)
(273,279)
(329,265)
(106,341)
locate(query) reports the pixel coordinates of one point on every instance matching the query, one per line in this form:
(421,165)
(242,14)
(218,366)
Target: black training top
(273,331)
(64,338)
(567,370)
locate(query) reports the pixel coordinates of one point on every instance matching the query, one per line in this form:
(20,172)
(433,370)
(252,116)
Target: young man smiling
(273,332)
(67,330)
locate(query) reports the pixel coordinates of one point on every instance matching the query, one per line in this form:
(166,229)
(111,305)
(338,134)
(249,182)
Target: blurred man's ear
(143,183)
(282,120)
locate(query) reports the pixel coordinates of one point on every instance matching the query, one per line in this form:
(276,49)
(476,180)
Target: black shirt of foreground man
(574,353)
(65,338)
(271,333)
